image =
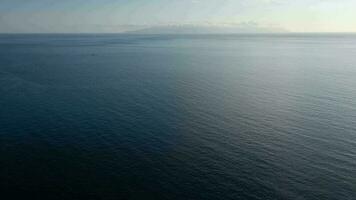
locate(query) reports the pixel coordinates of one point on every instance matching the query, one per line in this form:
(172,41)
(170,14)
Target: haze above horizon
(115,16)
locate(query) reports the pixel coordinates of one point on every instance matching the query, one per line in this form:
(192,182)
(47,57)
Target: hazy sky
(119,15)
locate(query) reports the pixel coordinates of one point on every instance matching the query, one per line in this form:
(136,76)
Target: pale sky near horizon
(119,15)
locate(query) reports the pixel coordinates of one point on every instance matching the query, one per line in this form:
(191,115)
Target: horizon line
(132,33)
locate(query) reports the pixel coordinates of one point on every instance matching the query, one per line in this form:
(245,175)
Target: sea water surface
(178,116)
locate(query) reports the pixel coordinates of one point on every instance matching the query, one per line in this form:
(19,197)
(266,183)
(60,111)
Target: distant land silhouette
(206,29)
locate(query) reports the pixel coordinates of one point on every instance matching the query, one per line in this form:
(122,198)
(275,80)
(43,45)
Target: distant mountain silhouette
(196,29)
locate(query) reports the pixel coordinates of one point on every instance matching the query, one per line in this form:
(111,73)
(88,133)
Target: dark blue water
(178,117)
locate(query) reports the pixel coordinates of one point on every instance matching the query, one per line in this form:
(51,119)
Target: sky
(20,16)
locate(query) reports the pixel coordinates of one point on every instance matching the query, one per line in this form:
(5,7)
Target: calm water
(178,117)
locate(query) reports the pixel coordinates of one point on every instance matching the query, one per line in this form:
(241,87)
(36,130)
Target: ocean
(199,117)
